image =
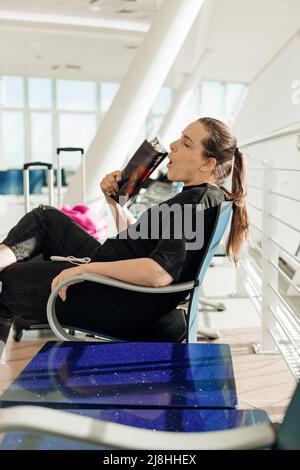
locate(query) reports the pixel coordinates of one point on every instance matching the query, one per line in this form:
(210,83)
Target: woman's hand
(65,274)
(109,185)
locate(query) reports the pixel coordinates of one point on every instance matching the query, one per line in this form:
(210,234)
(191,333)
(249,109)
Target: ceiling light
(72,67)
(125,10)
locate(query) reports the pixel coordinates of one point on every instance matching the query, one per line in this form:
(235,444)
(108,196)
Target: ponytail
(220,143)
(239,228)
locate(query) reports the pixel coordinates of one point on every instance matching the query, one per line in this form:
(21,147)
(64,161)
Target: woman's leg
(26,289)
(48,231)
(7,257)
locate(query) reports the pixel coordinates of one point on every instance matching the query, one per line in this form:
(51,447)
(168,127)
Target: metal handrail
(295,369)
(251,260)
(254,206)
(252,279)
(285,277)
(255,226)
(276,312)
(279,134)
(285,250)
(287,306)
(285,169)
(284,223)
(286,332)
(255,290)
(255,245)
(277,193)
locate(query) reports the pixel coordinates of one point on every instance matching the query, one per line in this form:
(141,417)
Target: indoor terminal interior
(149,225)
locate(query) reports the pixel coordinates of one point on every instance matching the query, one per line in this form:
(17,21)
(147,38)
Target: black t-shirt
(175,234)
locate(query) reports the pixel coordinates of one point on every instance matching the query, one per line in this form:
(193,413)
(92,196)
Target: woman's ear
(209,164)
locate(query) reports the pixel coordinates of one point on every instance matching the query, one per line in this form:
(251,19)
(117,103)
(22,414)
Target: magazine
(145,160)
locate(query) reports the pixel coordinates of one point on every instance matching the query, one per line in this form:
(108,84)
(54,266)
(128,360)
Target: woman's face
(187,163)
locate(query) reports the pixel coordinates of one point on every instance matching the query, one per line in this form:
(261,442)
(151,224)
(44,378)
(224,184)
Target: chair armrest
(109,281)
(120,436)
(51,314)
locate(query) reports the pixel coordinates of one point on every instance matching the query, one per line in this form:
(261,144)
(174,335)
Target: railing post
(270,252)
(241,277)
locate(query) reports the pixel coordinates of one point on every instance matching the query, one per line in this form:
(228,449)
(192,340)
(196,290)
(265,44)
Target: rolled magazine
(145,160)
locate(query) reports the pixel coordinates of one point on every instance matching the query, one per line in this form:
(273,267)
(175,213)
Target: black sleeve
(170,252)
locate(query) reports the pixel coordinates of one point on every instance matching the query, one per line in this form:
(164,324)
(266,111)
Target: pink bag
(91,222)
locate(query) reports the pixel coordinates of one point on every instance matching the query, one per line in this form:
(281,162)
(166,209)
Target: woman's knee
(44,211)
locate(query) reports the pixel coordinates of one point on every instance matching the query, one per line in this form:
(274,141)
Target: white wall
(268,107)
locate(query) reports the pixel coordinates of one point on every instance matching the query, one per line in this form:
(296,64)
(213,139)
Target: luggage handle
(59,170)
(69,149)
(26,167)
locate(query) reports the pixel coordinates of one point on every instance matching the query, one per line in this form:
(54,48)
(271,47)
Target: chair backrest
(288,436)
(222,218)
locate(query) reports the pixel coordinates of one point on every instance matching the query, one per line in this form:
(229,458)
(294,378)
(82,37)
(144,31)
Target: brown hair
(222,145)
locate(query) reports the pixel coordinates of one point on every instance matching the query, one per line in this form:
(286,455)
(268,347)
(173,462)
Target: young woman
(202,158)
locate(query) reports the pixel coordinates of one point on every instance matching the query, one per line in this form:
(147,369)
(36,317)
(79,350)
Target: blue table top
(175,420)
(99,375)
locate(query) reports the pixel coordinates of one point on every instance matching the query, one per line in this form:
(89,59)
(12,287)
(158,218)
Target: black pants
(26,285)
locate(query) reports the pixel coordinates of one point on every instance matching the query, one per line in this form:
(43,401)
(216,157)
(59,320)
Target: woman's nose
(173,146)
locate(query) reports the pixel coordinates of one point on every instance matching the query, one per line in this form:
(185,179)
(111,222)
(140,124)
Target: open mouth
(169,164)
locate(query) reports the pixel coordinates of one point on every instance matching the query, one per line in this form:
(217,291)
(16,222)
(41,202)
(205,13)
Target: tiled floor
(262,381)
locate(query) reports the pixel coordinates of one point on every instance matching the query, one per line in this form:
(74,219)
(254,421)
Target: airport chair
(113,435)
(177,325)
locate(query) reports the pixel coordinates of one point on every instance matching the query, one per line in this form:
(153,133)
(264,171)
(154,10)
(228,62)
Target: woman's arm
(140,271)
(121,215)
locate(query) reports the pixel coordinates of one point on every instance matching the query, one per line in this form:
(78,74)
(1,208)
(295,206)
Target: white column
(171,126)
(136,95)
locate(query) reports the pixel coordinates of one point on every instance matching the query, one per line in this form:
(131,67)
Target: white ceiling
(138,9)
(242,37)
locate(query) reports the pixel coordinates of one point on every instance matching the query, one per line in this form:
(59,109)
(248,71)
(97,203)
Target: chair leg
(17,333)
(209,333)
(218,306)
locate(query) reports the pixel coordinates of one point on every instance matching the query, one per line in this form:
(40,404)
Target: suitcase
(26,167)
(59,150)
(20,325)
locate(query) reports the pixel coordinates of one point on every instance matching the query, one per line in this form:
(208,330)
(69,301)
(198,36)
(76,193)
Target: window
(39,114)
(213,99)
(221,100)
(40,93)
(76,130)
(12,92)
(41,137)
(163,102)
(235,92)
(154,124)
(76,95)
(13,138)
(108,92)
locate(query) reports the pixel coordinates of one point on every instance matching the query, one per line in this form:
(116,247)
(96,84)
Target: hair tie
(236,151)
